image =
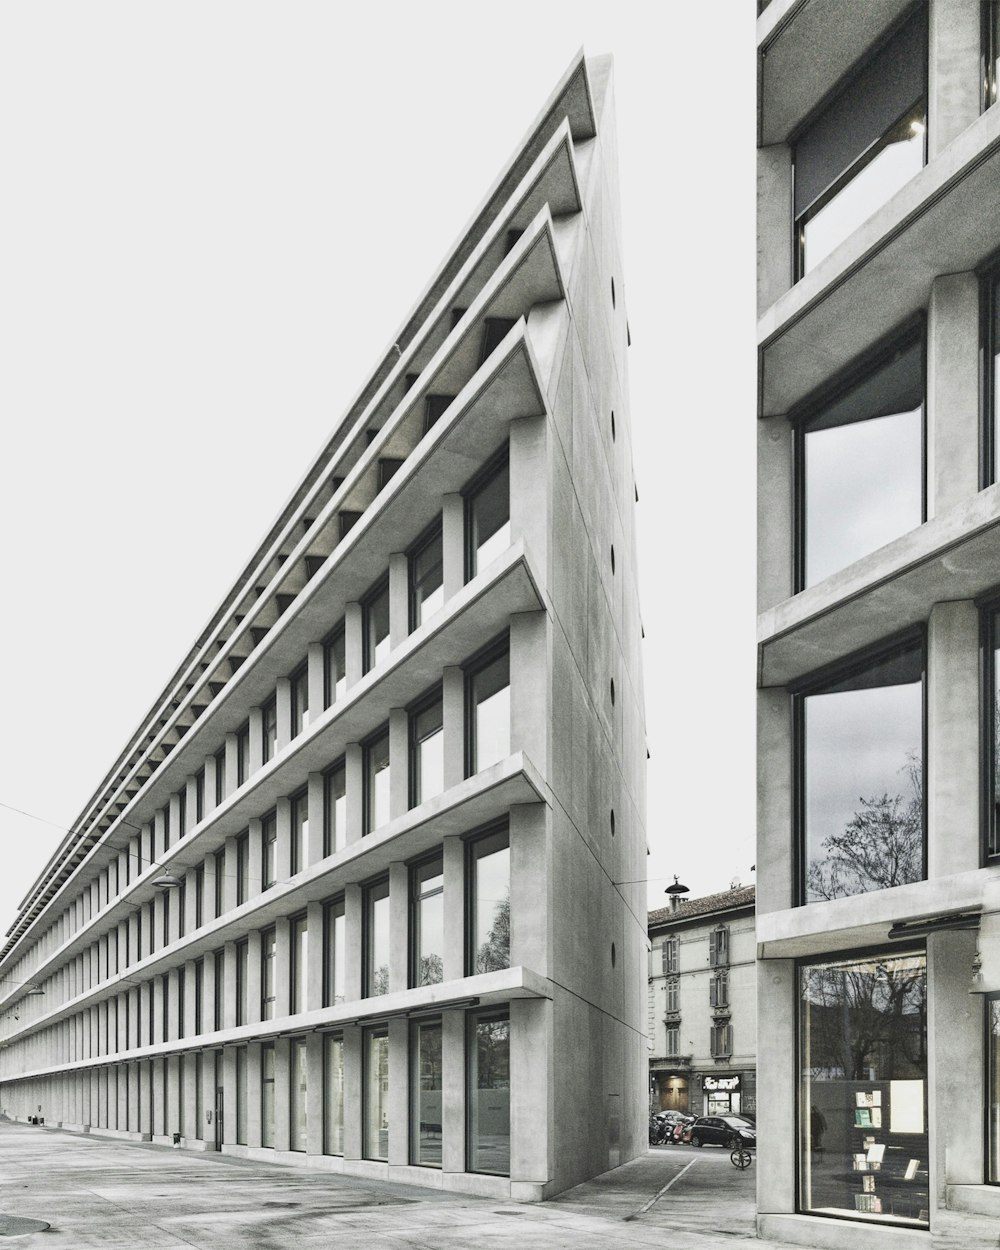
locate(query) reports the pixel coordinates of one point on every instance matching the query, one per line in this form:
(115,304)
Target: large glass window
(242,983)
(489,1093)
(269,850)
(299,692)
(243,754)
(861,787)
(860,464)
(334,666)
(993,1086)
(269,719)
(267,1094)
(427,922)
(862,1101)
(297,1094)
(426,751)
(375,626)
(425,1093)
(376,938)
(299,934)
(333,1094)
(488,710)
(426,577)
(487,517)
(376,1094)
(220,776)
(300,830)
(489,902)
(376,773)
(867,142)
(268,956)
(334,939)
(334,809)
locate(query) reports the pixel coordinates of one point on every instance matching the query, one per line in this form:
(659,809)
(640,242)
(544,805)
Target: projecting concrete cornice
(942,221)
(954,556)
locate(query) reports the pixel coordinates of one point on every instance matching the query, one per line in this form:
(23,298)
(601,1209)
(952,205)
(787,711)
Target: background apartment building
(703,1005)
(879,584)
(352,896)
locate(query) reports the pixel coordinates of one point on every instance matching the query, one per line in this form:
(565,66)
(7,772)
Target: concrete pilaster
(283,707)
(158,1098)
(210,888)
(453,725)
(454,908)
(954,1050)
(255,758)
(952,392)
(355,780)
(399,1090)
(352,957)
(399,762)
(282,1092)
(208,993)
(314,966)
(453,1088)
(314,1084)
(352,1091)
(256,869)
(531,901)
(135,1097)
(190,998)
(452,544)
(283,866)
(398,927)
(953,71)
(190,804)
(253,1095)
(232,761)
(282,969)
(254,977)
(774,224)
(229,1095)
(314,840)
(229,1000)
(173,1005)
(210,782)
(175,823)
(229,884)
(352,643)
(189,1098)
(776,1093)
(206,1127)
(529,498)
(316,679)
(399,598)
(775,886)
(775,445)
(529,709)
(531,1079)
(161,834)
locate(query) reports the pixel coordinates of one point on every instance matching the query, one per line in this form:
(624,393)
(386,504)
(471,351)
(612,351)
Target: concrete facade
(919,259)
(398,784)
(703,1005)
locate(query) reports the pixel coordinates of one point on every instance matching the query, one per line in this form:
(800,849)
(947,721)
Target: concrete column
(283,707)
(135,1097)
(253,1096)
(191,803)
(282,1091)
(399,927)
(173,1077)
(776,888)
(283,867)
(282,971)
(232,759)
(176,824)
(775,524)
(352,643)
(776,1093)
(355,780)
(159,985)
(314,1086)
(206,1127)
(229,1001)
(314,837)
(210,781)
(952,392)
(953,71)
(208,993)
(229,1097)
(774,224)
(229,885)
(210,888)
(399,598)
(256,759)
(531,1079)
(529,496)
(529,710)
(453,1092)
(145,993)
(188,920)
(159,1080)
(530,888)
(352,1092)
(454,910)
(399,762)
(161,834)
(254,970)
(190,998)
(954,1050)
(453,724)
(315,679)
(399,1089)
(452,544)
(174,919)
(352,940)
(160,904)
(314,964)
(953,739)
(173,1005)
(189,1099)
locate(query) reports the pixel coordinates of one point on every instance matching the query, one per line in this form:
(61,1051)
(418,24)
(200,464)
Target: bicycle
(740,1157)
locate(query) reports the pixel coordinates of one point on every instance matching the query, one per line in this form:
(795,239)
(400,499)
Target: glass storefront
(297,1094)
(333,1093)
(489,1094)
(376,1094)
(993,1086)
(863,1150)
(426,1093)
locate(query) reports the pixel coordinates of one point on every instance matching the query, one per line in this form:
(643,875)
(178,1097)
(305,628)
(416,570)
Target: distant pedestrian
(817,1127)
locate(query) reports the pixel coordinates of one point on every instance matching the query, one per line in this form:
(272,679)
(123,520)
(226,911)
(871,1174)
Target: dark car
(721,1130)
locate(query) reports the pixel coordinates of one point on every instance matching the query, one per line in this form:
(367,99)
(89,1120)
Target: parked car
(721,1130)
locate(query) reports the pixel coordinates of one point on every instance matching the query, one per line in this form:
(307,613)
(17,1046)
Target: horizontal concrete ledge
(824,1234)
(940,222)
(974,1199)
(865,919)
(952,556)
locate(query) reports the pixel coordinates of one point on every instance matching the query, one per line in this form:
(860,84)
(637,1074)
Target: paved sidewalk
(96,1191)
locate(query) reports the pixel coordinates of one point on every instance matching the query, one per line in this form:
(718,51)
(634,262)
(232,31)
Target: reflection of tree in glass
(493,1061)
(494,953)
(431,970)
(879,847)
(867,1021)
(380,979)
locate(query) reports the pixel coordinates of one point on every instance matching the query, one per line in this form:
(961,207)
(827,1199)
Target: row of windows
(870,138)
(718,992)
(163,1010)
(487,533)
(720,1040)
(164,1096)
(718,950)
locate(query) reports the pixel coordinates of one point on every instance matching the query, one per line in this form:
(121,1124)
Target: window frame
(473,841)
(433,533)
(989,639)
(416,710)
(268,850)
(375,593)
(471,669)
(268,963)
(989,53)
(298,699)
(269,729)
(337,635)
(368,897)
(815,683)
(819,401)
(413,918)
(333,909)
(368,777)
(298,850)
(491,1015)
(497,464)
(329,809)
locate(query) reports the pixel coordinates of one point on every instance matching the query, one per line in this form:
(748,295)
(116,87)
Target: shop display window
(993,1086)
(863,1147)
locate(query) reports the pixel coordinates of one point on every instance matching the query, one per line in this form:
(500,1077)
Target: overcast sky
(215,215)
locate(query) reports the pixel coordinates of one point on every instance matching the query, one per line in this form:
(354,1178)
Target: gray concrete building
(702,1001)
(878,868)
(364,891)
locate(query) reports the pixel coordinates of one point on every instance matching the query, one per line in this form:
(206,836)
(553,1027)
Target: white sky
(214,217)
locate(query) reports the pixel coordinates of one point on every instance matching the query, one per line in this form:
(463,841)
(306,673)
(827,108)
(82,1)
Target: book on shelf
(876,1152)
(911,1169)
(868,1183)
(876,1114)
(868,1098)
(863,1117)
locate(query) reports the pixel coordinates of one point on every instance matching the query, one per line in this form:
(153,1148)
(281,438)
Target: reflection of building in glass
(878,904)
(702,1005)
(374,863)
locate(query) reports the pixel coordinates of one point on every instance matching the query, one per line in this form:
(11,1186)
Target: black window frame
(433,533)
(816,683)
(812,409)
(472,842)
(298,698)
(368,777)
(243,767)
(269,729)
(268,1002)
(990,51)
(498,463)
(367,898)
(268,839)
(337,635)
(375,593)
(470,670)
(413,913)
(333,909)
(413,713)
(329,829)
(989,639)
